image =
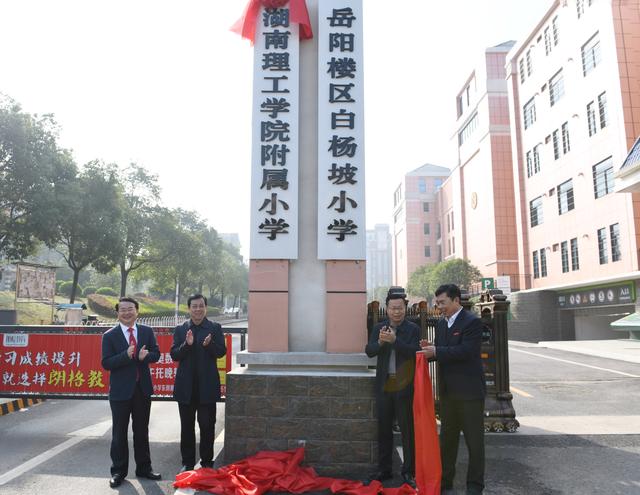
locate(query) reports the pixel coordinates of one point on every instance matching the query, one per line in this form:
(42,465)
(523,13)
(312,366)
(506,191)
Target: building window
(543,263)
(427,251)
(397,196)
(426,228)
(452,227)
(529,164)
(614,232)
(453,245)
(566,145)
(603,180)
(565,197)
(556,31)
(467,130)
(556,144)
(547,41)
(602,108)
(439,253)
(529,112)
(556,87)
(575,259)
(590,54)
(422,185)
(437,184)
(438,231)
(536,265)
(533,161)
(602,246)
(580,8)
(521,67)
(448,223)
(535,211)
(564,249)
(529,63)
(591,118)
(425,207)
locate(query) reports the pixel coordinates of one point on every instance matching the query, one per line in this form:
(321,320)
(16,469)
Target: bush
(106,291)
(65,289)
(89,290)
(102,305)
(58,284)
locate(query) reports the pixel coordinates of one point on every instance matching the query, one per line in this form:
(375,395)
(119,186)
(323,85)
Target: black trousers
(466,416)
(400,406)
(207,423)
(139,408)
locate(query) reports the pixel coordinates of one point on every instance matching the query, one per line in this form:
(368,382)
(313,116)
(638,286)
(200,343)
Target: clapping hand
(207,340)
(131,349)
(189,337)
(387,335)
(144,352)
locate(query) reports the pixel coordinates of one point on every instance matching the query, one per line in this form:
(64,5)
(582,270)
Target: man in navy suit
(197,345)
(127,350)
(461,386)
(395,342)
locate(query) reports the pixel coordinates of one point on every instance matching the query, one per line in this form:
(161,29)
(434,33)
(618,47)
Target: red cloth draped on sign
(246,25)
(276,472)
(428,465)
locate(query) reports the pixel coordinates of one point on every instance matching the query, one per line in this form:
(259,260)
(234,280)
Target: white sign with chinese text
(15,340)
(341,208)
(274,161)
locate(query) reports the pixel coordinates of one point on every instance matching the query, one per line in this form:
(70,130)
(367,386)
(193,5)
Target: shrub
(65,289)
(89,290)
(106,291)
(58,284)
(102,305)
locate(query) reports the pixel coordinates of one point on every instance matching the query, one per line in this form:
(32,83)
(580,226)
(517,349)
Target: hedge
(105,306)
(106,291)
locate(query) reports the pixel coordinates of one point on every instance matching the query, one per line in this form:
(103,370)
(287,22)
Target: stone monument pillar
(306,380)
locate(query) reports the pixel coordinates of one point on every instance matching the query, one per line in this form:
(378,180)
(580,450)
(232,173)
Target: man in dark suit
(197,345)
(461,386)
(127,350)
(395,342)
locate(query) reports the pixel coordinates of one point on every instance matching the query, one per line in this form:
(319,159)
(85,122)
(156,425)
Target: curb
(17,404)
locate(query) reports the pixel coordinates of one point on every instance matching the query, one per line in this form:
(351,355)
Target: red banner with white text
(68,364)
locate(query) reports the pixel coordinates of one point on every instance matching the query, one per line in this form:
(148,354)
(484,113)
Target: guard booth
(492,309)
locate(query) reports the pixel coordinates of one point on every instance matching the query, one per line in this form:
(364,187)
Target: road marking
(93,431)
(576,363)
(579,425)
(520,392)
(39,459)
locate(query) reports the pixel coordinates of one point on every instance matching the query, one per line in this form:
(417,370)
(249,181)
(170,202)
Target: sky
(167,85)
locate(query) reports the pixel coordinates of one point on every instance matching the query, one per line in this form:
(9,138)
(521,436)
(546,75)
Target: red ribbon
(246,25)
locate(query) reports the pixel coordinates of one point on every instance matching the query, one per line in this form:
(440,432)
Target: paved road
(580,434)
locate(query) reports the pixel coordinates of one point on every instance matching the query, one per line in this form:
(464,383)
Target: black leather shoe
(116,480)
(150,475)
(409,480)
(206,464)
(185,468)
(380,476)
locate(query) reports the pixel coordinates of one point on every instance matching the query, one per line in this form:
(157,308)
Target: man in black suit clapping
(461,386)
(197,345)
(127,350)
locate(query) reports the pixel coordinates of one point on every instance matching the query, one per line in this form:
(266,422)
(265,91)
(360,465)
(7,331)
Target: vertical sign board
(274,161)
(341,208)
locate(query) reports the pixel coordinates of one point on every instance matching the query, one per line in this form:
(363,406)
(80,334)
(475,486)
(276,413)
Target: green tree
(420,283)
(455,271)
(147,227)
(89,223)
(32,167)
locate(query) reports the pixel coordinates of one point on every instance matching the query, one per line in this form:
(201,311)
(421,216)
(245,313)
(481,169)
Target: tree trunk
(74,287)
(124,275)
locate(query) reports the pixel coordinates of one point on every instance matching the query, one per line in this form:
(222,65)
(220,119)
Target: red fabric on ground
(428,465)
(276,472)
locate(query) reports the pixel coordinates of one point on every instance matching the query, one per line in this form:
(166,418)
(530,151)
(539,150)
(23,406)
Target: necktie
(132,341)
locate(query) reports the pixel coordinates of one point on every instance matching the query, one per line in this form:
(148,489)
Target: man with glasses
(395,342)
(127,350)
(197,345)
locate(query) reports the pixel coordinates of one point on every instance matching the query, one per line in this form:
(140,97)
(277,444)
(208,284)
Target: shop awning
(630,323)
